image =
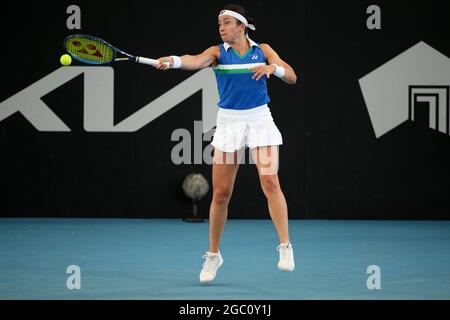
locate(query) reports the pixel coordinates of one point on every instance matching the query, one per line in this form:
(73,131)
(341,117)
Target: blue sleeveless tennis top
(237,89)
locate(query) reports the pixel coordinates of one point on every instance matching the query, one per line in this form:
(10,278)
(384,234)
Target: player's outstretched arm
(190,62)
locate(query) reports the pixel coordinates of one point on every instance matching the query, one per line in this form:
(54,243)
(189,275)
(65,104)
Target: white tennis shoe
(213,261)
(286,262)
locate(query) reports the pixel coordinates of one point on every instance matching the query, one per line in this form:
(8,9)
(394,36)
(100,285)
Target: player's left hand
(259,72)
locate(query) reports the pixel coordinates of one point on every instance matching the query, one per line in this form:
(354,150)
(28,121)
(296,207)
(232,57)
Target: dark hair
(242,11)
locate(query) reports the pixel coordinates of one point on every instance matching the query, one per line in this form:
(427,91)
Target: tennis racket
(93,50)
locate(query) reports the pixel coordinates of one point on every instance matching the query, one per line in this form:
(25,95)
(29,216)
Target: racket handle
(149,61)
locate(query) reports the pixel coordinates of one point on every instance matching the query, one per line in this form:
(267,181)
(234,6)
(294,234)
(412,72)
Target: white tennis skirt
(251,128)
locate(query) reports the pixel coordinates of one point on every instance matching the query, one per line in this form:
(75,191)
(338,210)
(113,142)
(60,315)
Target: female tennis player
(244,120)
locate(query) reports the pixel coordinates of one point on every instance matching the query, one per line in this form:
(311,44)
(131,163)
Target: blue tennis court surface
(161,259)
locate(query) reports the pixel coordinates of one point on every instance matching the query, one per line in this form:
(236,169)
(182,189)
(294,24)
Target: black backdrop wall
(332,163)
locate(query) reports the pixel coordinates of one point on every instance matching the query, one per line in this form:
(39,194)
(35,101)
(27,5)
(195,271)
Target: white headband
(238,16)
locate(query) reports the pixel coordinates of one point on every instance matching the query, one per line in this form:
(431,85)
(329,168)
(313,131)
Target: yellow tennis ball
(66,60)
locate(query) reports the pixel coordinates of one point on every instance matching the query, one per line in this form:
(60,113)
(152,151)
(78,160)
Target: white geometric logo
(414,85)
(99,101)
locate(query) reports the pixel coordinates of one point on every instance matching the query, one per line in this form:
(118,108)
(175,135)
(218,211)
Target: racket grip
(149,61)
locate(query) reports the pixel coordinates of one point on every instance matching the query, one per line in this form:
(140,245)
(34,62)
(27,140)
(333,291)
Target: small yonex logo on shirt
(255,58)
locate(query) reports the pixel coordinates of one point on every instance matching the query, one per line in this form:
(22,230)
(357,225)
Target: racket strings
(89,50)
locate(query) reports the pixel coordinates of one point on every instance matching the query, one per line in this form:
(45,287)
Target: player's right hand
(163,65)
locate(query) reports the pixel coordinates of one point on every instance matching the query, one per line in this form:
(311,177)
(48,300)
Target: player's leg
(225,167)
(267,161)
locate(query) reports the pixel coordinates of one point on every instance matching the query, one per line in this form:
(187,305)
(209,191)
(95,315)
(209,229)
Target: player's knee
(270,184)
(221,195)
